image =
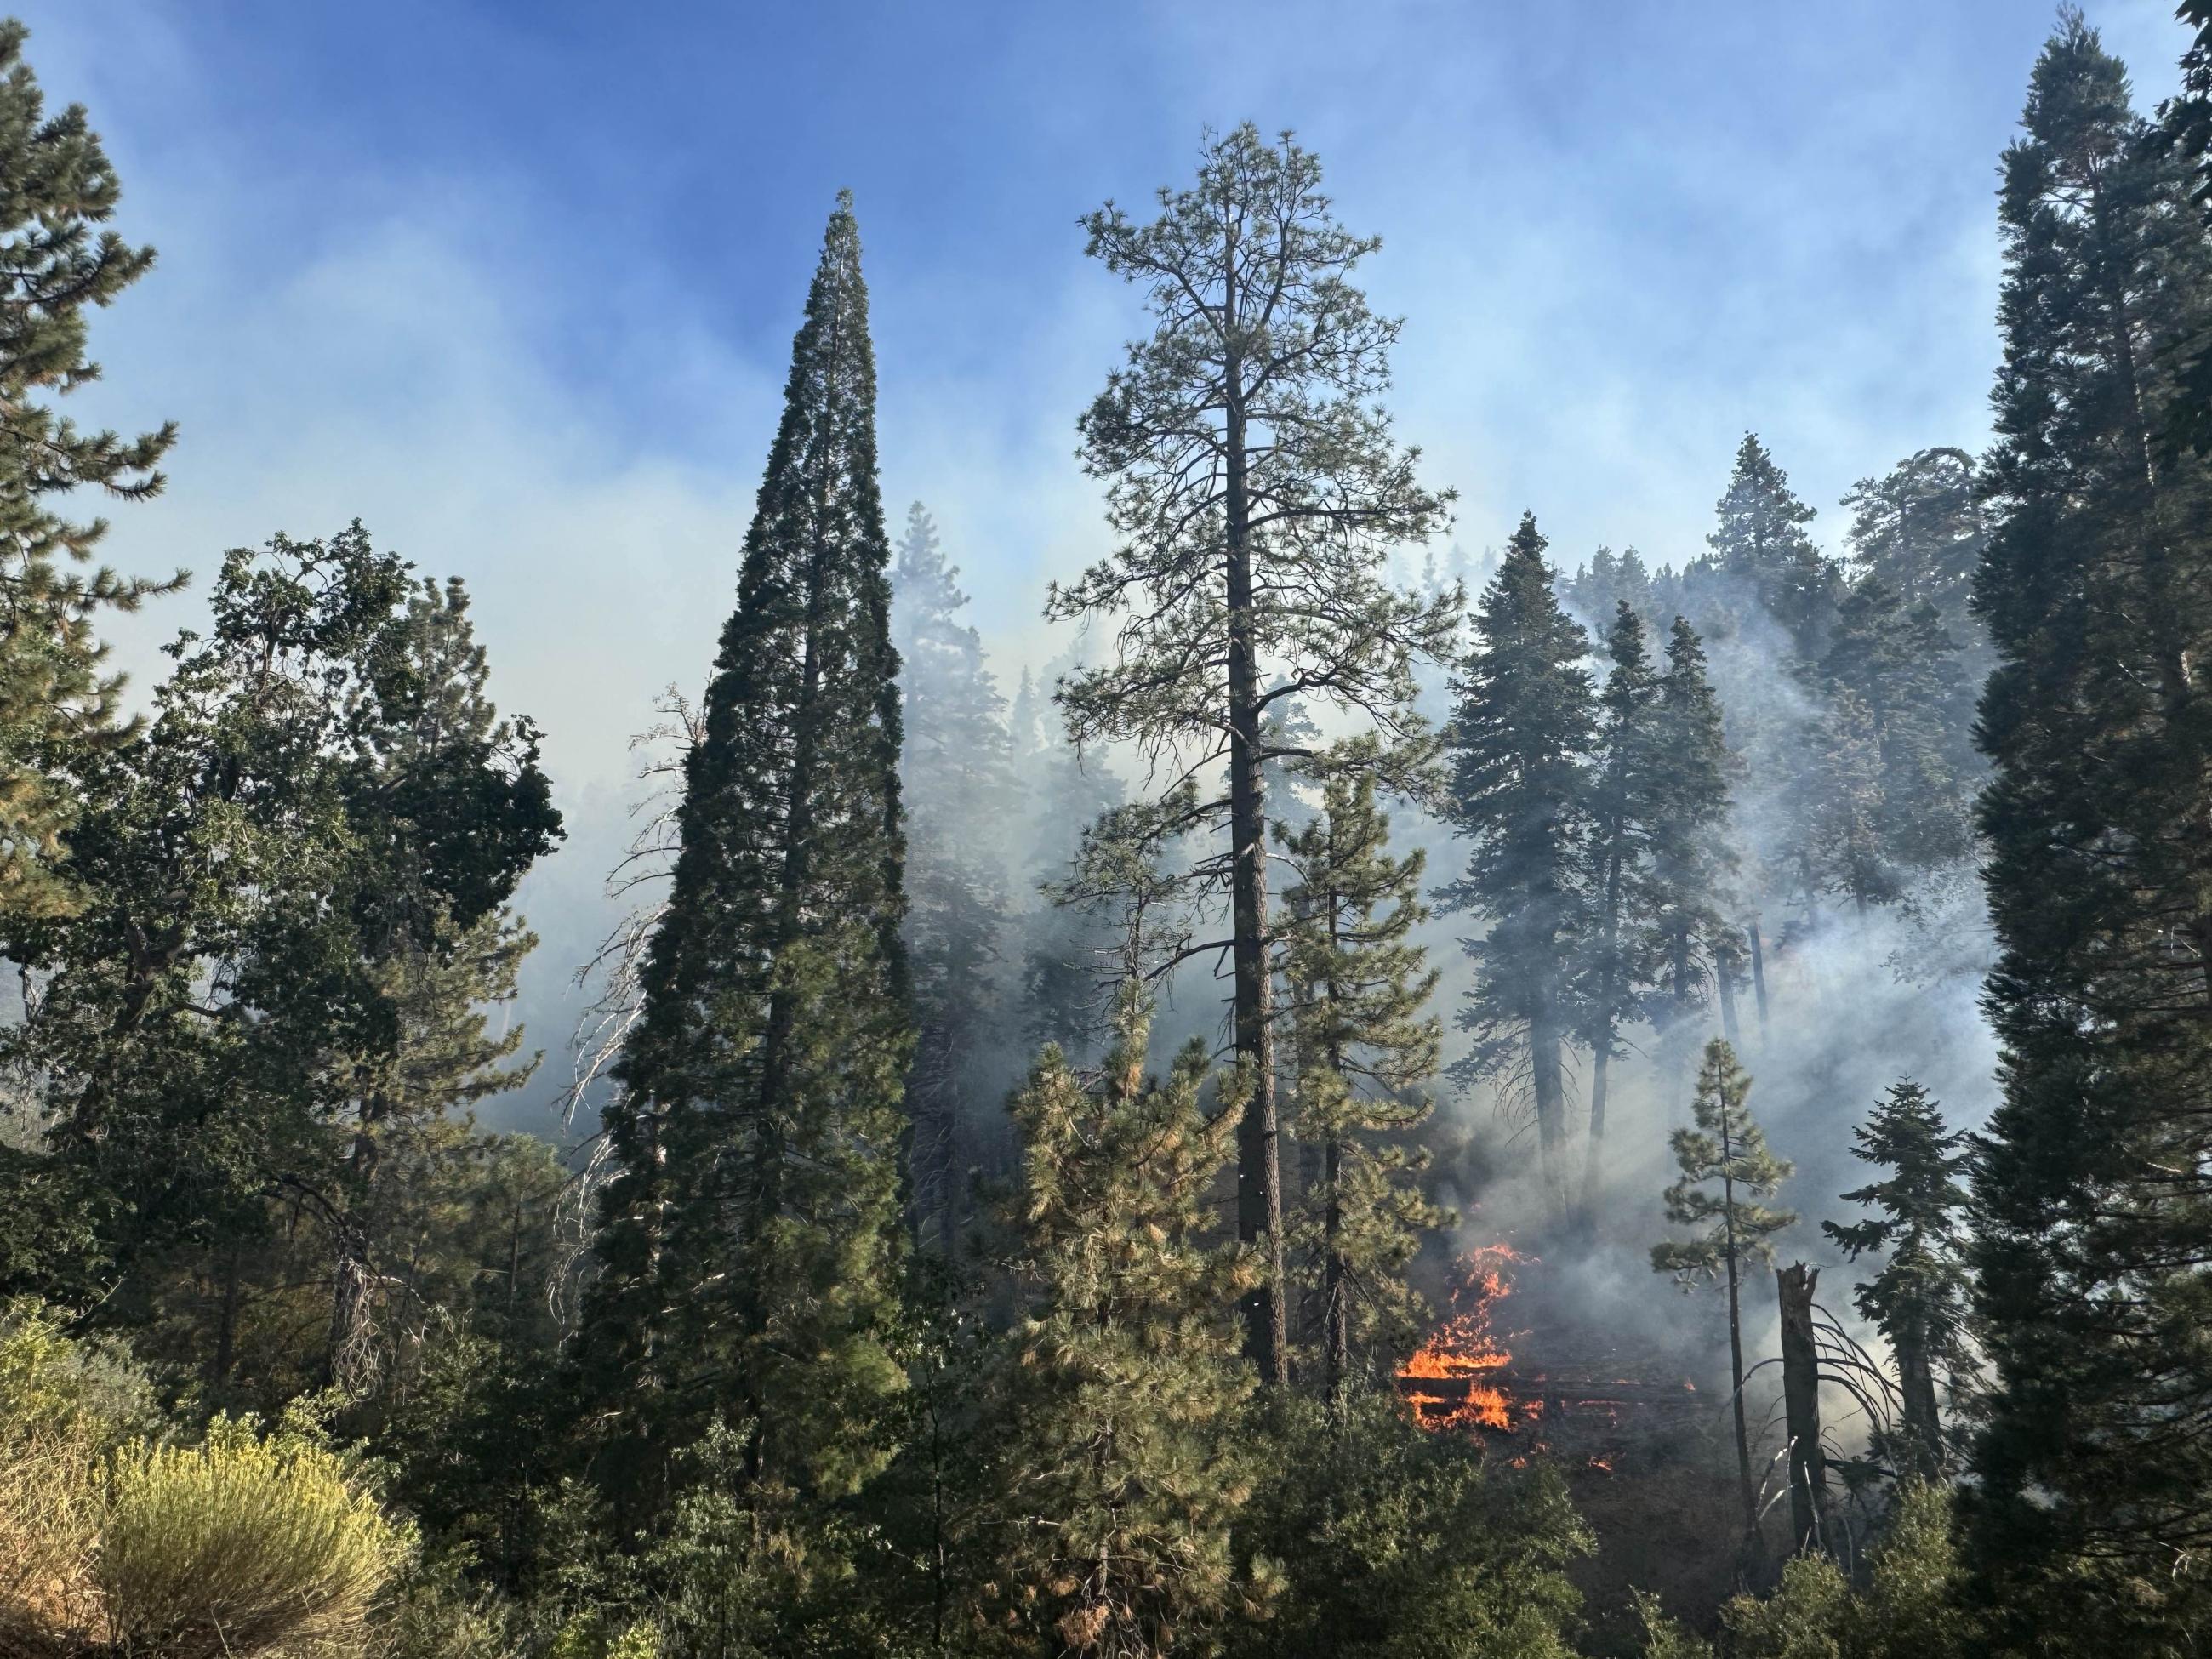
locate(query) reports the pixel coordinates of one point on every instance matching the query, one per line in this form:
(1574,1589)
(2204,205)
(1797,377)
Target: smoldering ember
(1494,946)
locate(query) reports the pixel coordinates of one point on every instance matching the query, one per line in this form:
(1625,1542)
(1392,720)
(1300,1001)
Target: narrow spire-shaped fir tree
(1726,1146)
(751,1240)
(961,796)
(1918,1299)
(1629,793)
(2093,1223)
(1760,539)
(1692,861)
(1364,1046)
(1520,741)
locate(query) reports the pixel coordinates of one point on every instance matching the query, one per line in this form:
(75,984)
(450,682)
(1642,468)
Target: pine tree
(2093,1220)
(750,1242)
(1364,1046)
(1519,741)
(1727,1146)
(2185,126)
(57,190)
(1629,795)
(1112,1419)
(1258,490)
(958,777)
(1918,1300)
(1761,541)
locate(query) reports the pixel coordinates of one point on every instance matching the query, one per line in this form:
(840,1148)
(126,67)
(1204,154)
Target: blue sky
(514,282)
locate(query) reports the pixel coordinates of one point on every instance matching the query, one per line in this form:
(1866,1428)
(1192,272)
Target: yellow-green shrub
(242,1545)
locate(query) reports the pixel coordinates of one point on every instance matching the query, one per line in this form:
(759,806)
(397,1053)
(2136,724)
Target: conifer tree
(1520,742)
(1364,1045)
(2093,1223)
(1726,1146)
(1692,863)
(1116,1459)
(750,1242)
(56,191)
(1919,530)
(1761,541)
(959,789)
(1630,794)
(1257,490)
(1918,1300)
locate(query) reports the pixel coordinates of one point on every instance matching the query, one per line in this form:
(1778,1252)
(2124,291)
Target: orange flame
(1462,1350)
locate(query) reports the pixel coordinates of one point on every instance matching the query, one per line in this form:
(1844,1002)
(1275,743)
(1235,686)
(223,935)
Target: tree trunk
(1749,1493)
(1548,1076)
(1336,1291)
(1259,1174)
(1601,1065)
(1602,1055)
(1800,1400)
(1923,1428)
(1759,978)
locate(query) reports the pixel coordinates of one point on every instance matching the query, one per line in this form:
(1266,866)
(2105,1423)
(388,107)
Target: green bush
(243,1545)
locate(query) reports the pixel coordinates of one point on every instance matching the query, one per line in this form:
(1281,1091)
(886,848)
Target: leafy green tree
(1520,743)
(750,1242)
(2092,1225)
(1364,1046)
(1918,1300)
(958,778)
(1257,490)
(1117,1466)
(1727,1147)
(56,191)
(1394,1543)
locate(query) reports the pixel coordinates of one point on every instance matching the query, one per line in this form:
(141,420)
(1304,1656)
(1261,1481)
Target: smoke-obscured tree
(1116,1466)
(57,190)
(1257,491)
(1519,743)
(1918,1299)
(1726,1149)
(749,1244)
(1363,1046)
(1630,792)
(1598,590)
(960,797)
(1889,687)
(2092,1218)
(1068,946)
(1693,862)
(1919,530)
(1760,540)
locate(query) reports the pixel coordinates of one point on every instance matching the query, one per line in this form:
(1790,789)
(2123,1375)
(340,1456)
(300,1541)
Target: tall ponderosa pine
(1918,1299)
(1257,491)
(960,793)
(1116,1452)
(1920,529)
(1364,1046)
(1727,1147)
(1628,795)
(2093,1207)
(751,1240)
(1520,742)
(57,189)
